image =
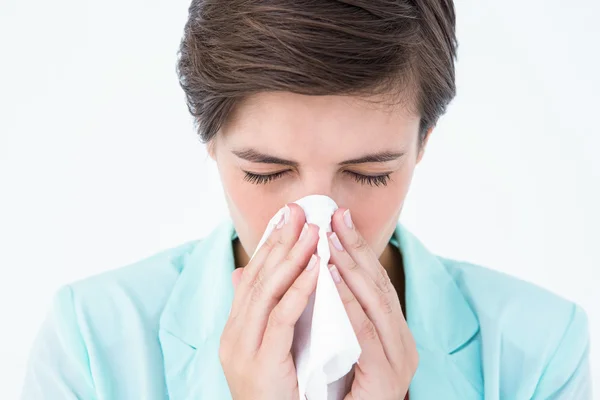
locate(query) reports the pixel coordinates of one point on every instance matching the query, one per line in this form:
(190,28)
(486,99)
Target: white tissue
(325,346)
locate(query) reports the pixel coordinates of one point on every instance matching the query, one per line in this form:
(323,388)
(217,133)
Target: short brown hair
(232,49)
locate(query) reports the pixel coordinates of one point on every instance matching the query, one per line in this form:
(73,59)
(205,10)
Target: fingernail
(348,219)
(280,223)
(312,262)
(336,242)
(335,274)
(285,217)
(304,230)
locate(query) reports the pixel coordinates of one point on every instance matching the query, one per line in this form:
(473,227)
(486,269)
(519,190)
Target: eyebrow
(374,158)
(255,156)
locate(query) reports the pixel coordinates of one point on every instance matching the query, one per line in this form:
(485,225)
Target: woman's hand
(271,294)
(389,355)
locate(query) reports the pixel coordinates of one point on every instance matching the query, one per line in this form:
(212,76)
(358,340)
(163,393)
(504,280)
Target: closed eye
(262,179)
(371,180)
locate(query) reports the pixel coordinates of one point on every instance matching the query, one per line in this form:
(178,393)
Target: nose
(316,182)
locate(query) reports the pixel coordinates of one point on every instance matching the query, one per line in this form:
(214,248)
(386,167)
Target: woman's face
(279,147)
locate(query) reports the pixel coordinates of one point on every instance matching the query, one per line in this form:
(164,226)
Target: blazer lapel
(443,324)
(194,317)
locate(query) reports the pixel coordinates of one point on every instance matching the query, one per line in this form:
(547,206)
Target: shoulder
(503,300)
(103,325)
(525,325)
(137,291)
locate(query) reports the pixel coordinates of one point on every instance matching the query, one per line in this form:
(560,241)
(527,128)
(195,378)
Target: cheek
(376,214)
(250,207)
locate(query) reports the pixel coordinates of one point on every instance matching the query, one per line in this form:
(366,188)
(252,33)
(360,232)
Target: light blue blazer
(151,331)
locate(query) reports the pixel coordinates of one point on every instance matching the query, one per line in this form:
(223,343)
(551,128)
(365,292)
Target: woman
(296,98)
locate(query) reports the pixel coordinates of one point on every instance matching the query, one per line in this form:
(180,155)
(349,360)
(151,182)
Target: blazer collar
(440,318)
(438,315)
(201,298)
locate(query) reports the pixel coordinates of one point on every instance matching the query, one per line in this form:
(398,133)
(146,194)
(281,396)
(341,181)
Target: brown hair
(232,49)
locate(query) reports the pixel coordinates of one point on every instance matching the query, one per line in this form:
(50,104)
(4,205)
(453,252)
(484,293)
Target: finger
(244,285)
(360,279)
(356,245)
(236,276)
(279,333)
(382,308)
(290,232)
(232,325)
(372,353)
(243,279)
(288,222)
(358,248)
(267,291)
(280,219)
(254,264)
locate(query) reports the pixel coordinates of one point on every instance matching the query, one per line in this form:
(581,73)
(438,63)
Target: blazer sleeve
(567,376)
(58,366)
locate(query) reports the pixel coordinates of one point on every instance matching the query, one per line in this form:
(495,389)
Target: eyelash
(377,180)
(262,179)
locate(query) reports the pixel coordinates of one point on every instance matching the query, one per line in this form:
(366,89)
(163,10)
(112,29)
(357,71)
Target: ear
(210,149)
(424,144)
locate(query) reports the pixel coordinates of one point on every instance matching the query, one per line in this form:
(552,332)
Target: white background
(99,164)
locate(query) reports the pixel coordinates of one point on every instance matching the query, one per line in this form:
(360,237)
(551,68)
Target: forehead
(296,122)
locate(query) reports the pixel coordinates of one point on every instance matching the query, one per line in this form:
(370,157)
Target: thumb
(236,276)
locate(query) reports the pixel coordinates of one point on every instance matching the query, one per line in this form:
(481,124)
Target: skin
(317,141)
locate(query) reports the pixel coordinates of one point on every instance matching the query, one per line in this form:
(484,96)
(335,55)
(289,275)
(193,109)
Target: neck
(241,258)
(391,260)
